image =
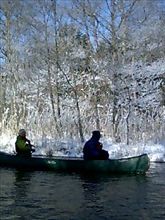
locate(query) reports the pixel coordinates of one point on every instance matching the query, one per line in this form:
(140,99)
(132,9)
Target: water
(59,196)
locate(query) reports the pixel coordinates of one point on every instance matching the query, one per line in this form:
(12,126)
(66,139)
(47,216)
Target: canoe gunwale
(81,158)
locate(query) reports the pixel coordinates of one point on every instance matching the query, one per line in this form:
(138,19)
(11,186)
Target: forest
(68,67)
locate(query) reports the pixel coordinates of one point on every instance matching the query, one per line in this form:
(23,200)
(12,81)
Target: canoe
(134,165)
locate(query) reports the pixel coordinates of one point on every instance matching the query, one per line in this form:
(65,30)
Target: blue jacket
(92,149)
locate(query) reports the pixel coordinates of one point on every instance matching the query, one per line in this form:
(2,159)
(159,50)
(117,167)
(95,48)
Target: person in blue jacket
(93,148)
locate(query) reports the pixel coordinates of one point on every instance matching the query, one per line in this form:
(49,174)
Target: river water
(61,196)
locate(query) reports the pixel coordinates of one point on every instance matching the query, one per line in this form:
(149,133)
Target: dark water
(49,196)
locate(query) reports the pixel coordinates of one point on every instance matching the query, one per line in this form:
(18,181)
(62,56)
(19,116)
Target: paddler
(23,146)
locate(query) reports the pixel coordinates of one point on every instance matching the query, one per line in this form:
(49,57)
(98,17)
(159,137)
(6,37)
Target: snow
(136,83)
(73,148)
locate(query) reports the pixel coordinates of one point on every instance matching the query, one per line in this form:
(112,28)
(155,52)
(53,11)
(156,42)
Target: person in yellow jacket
(23,146)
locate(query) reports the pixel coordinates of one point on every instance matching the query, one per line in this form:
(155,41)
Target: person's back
(90,150)
(93,148)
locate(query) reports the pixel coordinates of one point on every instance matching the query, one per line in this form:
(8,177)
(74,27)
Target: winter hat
(22,132)
(96,134)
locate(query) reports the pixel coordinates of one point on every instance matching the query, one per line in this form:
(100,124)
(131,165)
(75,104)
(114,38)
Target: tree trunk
(80,128)
(54,4)
(50,76)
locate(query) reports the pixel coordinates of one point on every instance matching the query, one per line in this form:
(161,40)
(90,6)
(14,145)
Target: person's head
(96,134)
(22,133)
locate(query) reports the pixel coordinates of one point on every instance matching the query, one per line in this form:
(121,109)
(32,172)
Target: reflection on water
(48,195)
(22,183)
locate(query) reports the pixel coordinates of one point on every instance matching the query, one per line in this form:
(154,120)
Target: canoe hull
(136,165)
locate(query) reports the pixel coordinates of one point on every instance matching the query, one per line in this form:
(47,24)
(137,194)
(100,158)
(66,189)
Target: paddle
(32,148)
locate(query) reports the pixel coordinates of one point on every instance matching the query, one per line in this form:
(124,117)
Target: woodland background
(68,67)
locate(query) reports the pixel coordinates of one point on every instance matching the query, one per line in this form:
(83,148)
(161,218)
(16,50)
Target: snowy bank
(70,147)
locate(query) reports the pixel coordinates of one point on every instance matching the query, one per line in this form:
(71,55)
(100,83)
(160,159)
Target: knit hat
(22,132)
(96,134)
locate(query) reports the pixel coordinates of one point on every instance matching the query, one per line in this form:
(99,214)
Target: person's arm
(28,141)
(16,148)
(99,146)
(30,145)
